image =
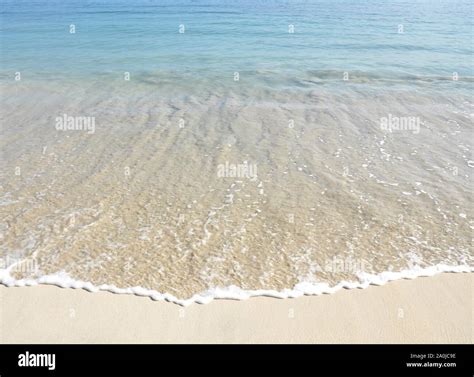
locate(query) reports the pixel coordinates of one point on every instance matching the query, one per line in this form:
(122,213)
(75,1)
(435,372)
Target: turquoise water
(252,37)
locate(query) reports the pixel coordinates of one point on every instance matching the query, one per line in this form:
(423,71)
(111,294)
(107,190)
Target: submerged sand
(248,186)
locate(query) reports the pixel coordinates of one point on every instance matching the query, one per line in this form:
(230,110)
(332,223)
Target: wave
(63,280)
(211,78)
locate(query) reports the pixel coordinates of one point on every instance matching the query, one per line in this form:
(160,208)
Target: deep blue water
(330,37)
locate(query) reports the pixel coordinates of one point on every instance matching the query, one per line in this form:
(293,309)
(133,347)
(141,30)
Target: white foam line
(232,292)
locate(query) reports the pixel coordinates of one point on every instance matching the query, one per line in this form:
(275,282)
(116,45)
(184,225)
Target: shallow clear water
(299,175)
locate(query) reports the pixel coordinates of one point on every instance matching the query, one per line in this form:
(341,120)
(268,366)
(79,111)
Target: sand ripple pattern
(140,201)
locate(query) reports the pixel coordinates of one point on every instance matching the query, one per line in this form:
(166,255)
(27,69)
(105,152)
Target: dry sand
(437,309)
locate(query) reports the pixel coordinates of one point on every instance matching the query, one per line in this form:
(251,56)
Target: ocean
(192,150)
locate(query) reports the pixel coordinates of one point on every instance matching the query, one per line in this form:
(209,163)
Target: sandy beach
(437,309)
(161,162)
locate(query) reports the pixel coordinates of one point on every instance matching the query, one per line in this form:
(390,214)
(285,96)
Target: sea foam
(233,292)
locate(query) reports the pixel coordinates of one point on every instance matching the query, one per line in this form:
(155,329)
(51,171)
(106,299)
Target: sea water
(238,148)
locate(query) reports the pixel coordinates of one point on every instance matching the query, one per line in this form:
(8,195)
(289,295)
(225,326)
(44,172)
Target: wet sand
(437,309)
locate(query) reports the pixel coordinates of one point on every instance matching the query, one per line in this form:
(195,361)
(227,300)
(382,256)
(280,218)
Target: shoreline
(62,280)
(435,309)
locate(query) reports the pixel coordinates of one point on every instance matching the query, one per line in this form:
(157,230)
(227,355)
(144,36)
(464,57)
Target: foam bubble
(233,292)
